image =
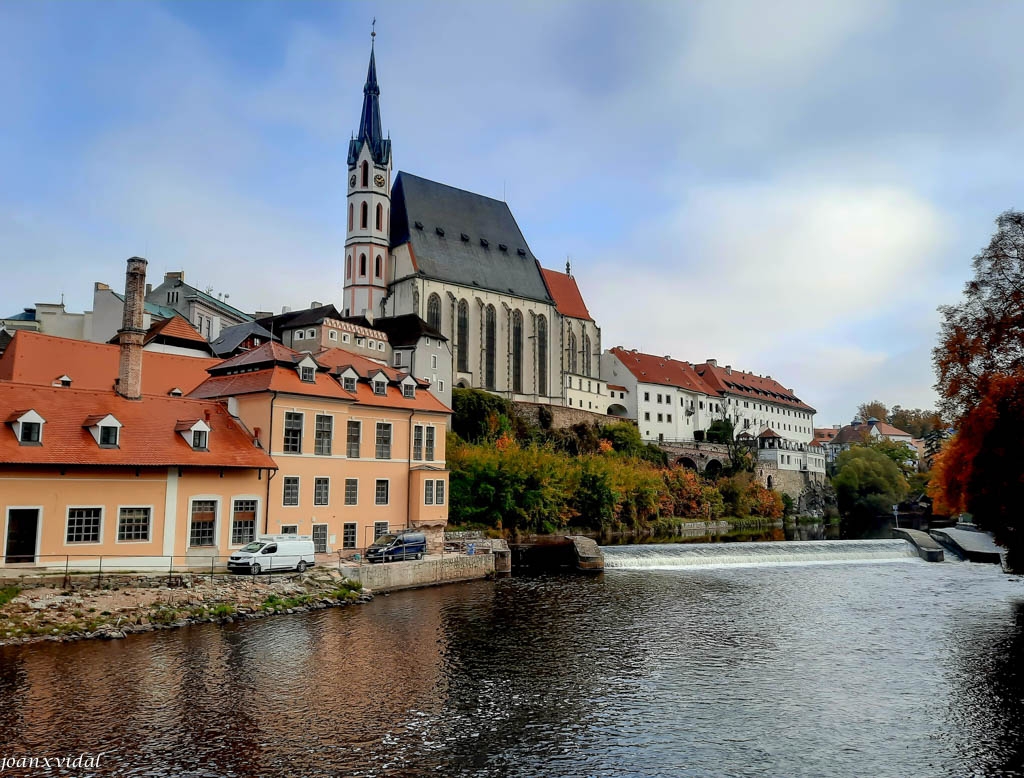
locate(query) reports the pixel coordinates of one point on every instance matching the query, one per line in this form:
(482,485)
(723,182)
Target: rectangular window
(659,417)
(417,442)
(440,386)
(354,430)
(351,491)
(133,524)
(398,359)
(291,490)
(668,417)
(293,433)
(430,444)
(439,493)
(348,382)
(321,491)
(307,374)
(380,387)
(108,435)
(433,361)
(408,391)
(84,525)
(381,492)
(289,529)
(324,432)
(647,397)
(383,440)
(647,416)
(428,492)
(204,519)
(379,528)
(348,534)
(243,522)
(199,440)
(31,431)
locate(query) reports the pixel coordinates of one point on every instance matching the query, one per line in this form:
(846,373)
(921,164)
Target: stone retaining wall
(562,416)
(425,572)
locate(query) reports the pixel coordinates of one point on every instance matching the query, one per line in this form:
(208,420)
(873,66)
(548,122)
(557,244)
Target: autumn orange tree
(979,362)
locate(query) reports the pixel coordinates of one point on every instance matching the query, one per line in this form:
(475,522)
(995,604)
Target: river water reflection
(888,669)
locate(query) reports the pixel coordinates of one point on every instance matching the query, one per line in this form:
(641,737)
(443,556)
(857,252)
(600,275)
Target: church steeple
(370,129)
(368,261)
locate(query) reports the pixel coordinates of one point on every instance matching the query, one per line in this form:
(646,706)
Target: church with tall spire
(457,263)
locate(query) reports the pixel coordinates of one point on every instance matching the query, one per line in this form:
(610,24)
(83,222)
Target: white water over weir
(670,556)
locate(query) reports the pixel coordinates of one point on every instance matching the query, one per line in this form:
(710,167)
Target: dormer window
(176,392)
(408,391)
(308,374)
(64,381)
(380,387)
(109,436)
(28,427)
(105,430)
(195,432)
(348,383)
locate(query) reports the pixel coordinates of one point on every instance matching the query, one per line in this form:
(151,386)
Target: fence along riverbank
(716,555)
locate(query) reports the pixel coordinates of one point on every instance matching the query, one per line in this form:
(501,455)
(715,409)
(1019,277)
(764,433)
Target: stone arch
(686,462)
(713,468)
(770,483)
(615,409)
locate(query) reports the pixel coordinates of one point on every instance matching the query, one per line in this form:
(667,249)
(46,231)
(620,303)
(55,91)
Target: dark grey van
(408,544)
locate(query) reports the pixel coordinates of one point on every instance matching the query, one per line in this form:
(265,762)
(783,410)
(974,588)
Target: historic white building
(676,401)
(459,261)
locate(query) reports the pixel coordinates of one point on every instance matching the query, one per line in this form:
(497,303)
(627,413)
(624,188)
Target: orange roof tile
(760,388)
(147,438)
(270,379)
(651,369)
(566,294)
(34,358)
(176,328)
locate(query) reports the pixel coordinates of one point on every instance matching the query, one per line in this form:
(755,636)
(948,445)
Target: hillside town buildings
(128,453)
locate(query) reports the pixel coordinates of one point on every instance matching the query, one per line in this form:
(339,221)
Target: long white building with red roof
(677,402)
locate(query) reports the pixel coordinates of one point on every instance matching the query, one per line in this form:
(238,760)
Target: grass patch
(8,593)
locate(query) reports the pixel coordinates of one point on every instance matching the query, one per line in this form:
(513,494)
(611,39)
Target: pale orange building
(150,459)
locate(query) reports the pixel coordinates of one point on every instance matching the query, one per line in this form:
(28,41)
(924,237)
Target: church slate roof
(463,238)
(406,330)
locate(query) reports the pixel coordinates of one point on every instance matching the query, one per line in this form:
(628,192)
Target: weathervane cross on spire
(373,30)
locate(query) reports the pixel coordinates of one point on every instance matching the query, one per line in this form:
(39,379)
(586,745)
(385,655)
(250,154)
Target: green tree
(479,415)
(867,482)
(903,455)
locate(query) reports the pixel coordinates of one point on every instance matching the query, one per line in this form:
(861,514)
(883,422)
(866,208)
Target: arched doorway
(686,462)
(771,483)
(617,410)
(713,468)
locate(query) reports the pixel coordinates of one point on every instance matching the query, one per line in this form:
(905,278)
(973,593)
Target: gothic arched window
(586,355)
(351,214)
(363,211)
(462,337)
(434,311)
(542,355)
(362,264)
(490,325)
(366,173)
(378,267)
(572,352)
(380,216)
(517,351)
(348,266)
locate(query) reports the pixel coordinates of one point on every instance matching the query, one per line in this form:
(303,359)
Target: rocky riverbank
(49,613)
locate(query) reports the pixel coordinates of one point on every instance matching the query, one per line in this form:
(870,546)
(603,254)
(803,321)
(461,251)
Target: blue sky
(791,188)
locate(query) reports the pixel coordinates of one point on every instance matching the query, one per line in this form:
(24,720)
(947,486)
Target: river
(872,664)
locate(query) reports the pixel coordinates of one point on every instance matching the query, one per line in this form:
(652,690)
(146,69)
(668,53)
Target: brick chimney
(129,374)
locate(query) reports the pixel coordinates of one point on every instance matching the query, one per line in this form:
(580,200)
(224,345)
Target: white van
(271,553)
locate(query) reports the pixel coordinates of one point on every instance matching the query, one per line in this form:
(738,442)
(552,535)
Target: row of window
(364,213)
(490,343)
(294,421)
(378,266)
(30,433)
(590,387)
(433,491)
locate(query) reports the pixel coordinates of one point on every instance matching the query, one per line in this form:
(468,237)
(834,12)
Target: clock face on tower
(352,181)
(378,180)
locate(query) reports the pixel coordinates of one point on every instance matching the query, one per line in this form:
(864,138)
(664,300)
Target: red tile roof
(759,388)
(34,358)
(566,294)
(617,388)
(147,438)
(270,369)
(177,328)
(651,369)
(855,432)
